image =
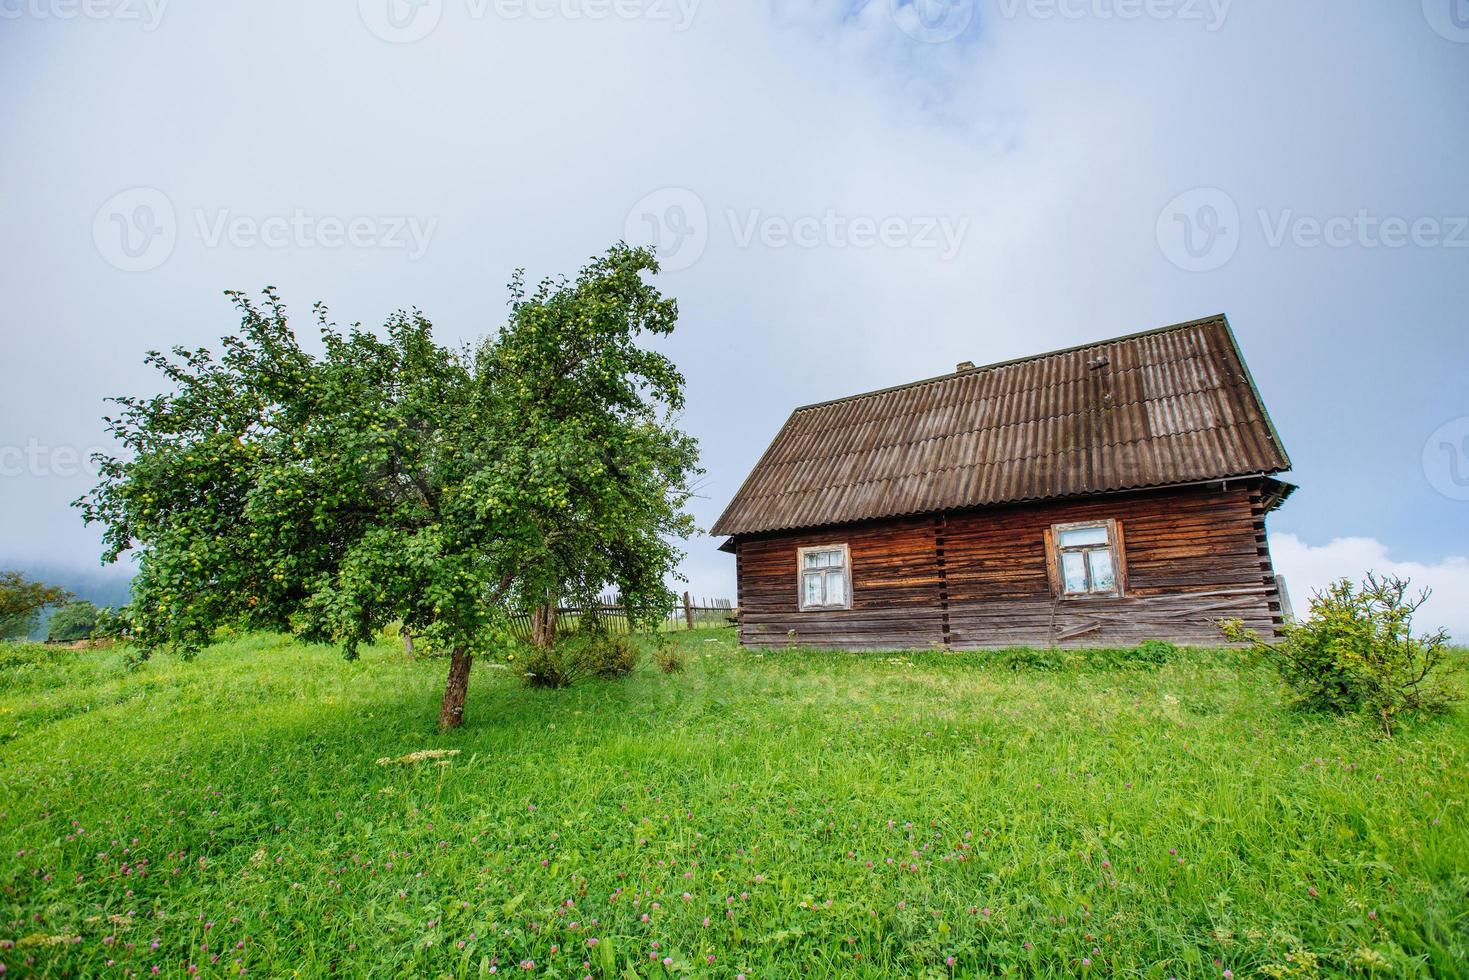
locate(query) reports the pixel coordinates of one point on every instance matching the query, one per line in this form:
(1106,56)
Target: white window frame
(1113,546)
(801,573)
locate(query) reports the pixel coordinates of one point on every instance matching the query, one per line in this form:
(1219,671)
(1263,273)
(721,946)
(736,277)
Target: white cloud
(1310,567)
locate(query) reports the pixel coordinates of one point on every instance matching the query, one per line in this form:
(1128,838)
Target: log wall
(979,579)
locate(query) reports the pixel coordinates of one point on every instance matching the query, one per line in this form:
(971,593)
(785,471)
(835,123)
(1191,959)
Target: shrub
(1032,659)
(1356,652)
(668,658)
(549,667)
(612,656)
(73,621)
(575,657)
(1153,653)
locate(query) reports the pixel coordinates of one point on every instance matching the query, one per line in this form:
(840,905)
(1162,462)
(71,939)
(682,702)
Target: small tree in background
(394,479)
(21,602)
(73,621)
(1356,651)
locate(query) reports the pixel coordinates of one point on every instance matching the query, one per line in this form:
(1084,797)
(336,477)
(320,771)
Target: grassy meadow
(269,808)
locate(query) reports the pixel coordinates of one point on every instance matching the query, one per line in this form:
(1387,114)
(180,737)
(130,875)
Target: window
(825,577)
(1086,559)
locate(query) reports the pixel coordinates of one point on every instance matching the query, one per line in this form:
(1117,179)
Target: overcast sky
(847,195)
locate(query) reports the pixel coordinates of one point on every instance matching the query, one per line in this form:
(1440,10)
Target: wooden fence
(612,616)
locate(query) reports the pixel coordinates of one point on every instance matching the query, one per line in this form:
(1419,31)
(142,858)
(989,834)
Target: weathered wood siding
(895,589)
(979,579)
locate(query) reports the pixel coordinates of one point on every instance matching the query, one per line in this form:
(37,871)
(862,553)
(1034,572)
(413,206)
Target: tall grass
(782,814)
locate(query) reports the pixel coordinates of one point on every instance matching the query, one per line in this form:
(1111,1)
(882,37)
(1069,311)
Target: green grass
(828,814)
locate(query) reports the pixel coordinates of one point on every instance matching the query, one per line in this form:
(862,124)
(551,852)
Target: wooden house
(1100,495)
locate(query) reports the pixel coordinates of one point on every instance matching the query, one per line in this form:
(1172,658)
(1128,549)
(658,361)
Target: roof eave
(1281,490)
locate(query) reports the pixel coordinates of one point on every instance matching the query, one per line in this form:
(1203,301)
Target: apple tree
(389,478)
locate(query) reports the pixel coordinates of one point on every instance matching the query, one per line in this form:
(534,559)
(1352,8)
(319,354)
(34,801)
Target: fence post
(688,611)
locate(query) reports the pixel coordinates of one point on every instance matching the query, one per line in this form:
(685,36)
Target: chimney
(964,366)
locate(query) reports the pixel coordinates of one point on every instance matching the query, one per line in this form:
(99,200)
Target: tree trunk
(408,644)
(543,626)
(451,715)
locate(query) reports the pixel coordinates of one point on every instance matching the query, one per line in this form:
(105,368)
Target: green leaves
(392,479)
(1357,652)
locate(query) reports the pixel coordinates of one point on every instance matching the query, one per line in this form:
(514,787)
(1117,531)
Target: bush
(1153,653)
(611,656)
(1356,652)
(549,667)
(1034,659)
(575,657)
(73,621)
(668,658)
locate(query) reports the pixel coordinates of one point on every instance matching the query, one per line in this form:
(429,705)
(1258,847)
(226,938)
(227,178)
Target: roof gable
(1168,406)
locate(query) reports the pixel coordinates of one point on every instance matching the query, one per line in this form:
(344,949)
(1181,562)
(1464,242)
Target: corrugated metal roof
(1169,406)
